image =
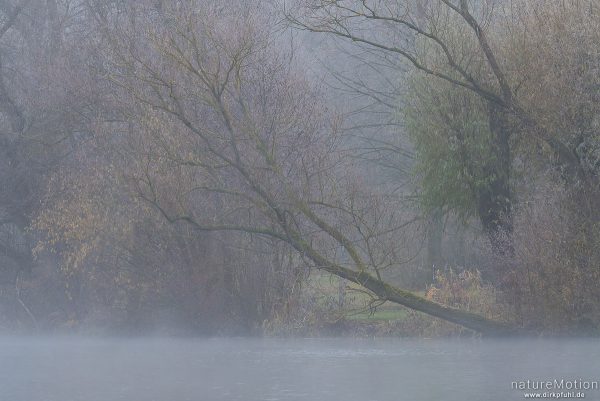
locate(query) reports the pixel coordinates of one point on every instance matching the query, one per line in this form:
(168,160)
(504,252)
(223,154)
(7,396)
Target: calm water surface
(299,369)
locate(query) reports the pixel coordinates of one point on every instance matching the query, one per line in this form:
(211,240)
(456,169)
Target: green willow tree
(480,52)
(453,143)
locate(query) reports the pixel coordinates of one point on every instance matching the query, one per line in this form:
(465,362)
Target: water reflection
(274,369)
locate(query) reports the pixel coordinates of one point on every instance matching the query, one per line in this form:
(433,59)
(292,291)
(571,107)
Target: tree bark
(494,200)
(435,231)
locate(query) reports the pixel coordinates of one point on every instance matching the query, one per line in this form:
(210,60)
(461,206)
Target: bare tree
(220,111)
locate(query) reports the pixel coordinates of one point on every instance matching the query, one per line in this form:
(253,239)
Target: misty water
(69,369)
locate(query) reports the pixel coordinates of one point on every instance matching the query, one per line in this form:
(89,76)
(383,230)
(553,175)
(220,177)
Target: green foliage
(450,132)
(390,313)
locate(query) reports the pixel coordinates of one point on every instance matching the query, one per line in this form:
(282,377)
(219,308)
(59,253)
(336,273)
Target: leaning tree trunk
(396,295)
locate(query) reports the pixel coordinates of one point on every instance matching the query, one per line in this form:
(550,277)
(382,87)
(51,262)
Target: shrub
(552,281)
(460,289)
